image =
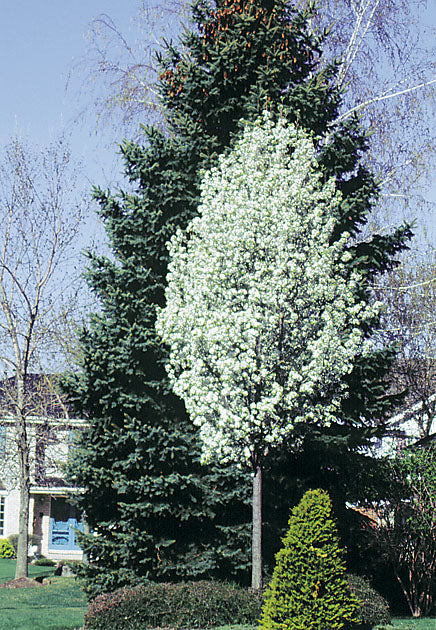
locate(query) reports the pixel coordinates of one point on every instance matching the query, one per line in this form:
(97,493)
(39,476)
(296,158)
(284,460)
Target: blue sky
(39,44)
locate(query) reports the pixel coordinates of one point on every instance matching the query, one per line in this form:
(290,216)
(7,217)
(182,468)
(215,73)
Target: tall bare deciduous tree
(39,248)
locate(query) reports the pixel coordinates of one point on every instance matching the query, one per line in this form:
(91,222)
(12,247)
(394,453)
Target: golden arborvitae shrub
(308,590)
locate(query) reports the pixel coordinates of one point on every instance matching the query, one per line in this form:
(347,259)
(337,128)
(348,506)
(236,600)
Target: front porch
(55,522)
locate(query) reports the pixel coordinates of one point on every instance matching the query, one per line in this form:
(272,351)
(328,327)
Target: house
(51,431)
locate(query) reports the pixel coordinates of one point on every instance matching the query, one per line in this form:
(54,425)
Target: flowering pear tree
(262,319)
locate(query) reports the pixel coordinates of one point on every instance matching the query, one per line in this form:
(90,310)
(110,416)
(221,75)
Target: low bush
(6,549)
(42,561)
(193,604)
(375,609)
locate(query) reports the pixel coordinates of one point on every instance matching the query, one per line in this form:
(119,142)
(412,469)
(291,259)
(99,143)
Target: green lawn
(58,606)
(7,571)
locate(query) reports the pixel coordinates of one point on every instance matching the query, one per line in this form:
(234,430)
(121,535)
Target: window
(2,441)
(2,515)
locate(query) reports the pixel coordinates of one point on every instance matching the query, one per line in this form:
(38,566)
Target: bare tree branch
(384,96)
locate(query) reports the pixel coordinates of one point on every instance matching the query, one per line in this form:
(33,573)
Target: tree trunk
(24,483)
(256,550)
(23,524)
(86,530)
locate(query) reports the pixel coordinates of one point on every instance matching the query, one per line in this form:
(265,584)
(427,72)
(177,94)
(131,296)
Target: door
(63,523)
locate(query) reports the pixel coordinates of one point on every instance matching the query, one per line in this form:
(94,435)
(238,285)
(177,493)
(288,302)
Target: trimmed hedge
(192,604)
(375,609)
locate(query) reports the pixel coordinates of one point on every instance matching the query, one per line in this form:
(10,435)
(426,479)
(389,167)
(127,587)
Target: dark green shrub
(374,609)
(42,561)
(6,549)
(193,604)
(309,589)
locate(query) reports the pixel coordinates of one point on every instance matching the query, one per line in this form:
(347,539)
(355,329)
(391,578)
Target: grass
(7,571)
(61,605)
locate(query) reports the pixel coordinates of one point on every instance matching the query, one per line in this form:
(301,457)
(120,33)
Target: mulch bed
(22,582)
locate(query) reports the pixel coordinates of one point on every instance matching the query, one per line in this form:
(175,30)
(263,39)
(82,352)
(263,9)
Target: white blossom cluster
(261,313)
